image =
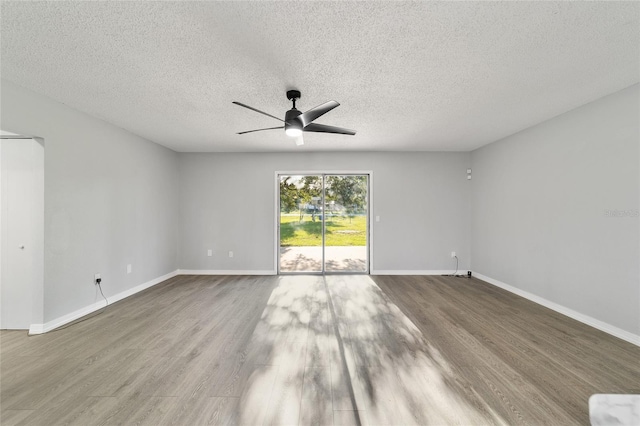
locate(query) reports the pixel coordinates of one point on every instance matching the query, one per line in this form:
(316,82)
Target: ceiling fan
(296,122)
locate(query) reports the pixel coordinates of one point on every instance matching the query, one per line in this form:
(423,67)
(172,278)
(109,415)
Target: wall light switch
(129,269)
(468,177)
(230,254)
(209,252)
(468,171)
(377,218)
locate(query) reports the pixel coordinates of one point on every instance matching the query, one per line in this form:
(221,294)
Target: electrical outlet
(209,252)
(453,254)
(129,269)
(230,254)
(96,277)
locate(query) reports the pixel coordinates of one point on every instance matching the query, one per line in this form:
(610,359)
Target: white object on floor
(614,409)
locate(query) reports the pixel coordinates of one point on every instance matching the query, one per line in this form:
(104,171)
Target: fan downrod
(293,95)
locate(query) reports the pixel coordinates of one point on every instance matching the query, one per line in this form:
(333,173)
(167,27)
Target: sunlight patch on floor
(337,343)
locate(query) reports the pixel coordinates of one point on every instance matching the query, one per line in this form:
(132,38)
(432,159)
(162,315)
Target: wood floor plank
(13,417)
(254,400)
(202,411)
(229,375)
(313,350)
(138,410)
(349,418)
(84,411)
(316,407)
(286,394)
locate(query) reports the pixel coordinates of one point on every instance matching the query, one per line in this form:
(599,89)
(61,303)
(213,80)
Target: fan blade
(299,141)
(259,130)
(322,128)
(257,110)
(307,117)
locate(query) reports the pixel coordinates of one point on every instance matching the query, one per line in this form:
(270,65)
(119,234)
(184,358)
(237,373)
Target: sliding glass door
(346,223)
(300,223)
(323,223)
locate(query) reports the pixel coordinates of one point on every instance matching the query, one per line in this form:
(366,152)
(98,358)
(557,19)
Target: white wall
(539,210)
(110,200)
(227,203)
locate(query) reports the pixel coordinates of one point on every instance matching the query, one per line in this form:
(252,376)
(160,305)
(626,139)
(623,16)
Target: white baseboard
(417,272)
(595,323)
(225,272)
(65,319)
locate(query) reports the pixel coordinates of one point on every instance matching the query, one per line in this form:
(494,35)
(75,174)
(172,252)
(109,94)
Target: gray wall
(110,200)
(539,206)
(227,202)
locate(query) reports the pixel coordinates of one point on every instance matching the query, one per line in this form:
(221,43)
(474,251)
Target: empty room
(319,213)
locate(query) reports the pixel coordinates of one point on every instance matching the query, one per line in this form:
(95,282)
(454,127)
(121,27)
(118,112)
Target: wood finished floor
(334,350)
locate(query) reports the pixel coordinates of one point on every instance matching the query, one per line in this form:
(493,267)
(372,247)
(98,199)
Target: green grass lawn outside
(341,231)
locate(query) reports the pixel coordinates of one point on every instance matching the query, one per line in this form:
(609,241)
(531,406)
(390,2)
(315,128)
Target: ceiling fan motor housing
(290,119)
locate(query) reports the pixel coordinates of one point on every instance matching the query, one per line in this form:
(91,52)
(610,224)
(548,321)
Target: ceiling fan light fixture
(293,132)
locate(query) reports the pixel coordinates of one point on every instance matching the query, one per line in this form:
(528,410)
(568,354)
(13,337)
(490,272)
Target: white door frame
(276,210)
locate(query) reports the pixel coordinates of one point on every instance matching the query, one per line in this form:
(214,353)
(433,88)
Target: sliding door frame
(324,173)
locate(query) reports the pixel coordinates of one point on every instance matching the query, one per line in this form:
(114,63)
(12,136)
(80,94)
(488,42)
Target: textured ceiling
(410,76)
